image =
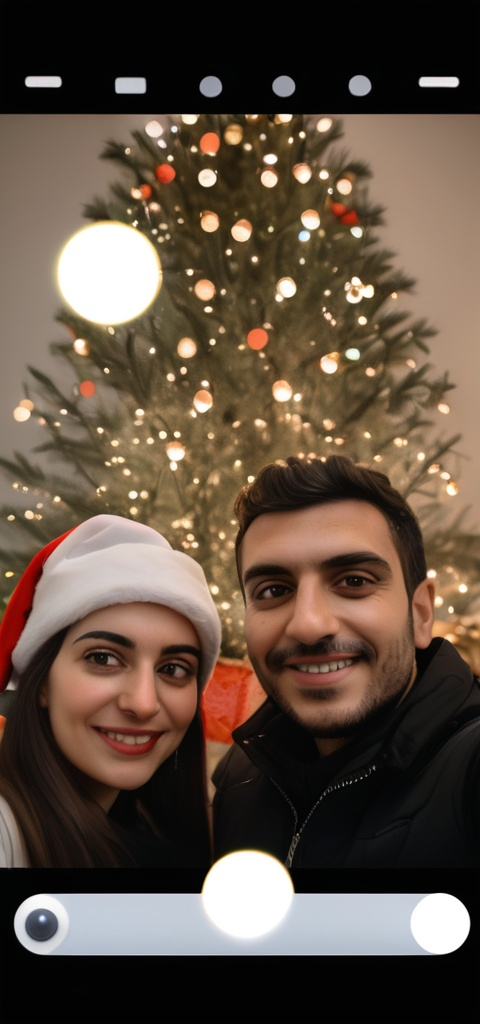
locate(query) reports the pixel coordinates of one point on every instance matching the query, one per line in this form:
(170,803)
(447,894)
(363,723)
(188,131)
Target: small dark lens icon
(41,924)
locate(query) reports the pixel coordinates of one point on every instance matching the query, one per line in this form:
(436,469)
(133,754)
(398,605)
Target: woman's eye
(177,671)
(102,658)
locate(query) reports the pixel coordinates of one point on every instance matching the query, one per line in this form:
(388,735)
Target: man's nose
(314,616)
(140,694)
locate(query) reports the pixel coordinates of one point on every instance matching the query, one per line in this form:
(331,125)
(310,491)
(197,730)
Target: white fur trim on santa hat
(109,560)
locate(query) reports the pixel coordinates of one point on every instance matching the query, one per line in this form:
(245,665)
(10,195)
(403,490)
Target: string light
(269,178)
(242,230)
(329,363)
(286,287)
(302,173)
(186,348)
(204,289)
(282,391)
(209,221)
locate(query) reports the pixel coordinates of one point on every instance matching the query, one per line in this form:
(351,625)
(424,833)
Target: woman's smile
(129,742)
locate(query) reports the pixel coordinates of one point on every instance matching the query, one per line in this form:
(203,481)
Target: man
(366,752)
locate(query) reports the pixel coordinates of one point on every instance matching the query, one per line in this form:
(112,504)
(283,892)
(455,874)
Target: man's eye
(356,582)
(272,591)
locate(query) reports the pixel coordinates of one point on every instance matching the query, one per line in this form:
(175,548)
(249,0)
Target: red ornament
(344,215)
(349,218)
(210,143)
(257,339)
(87,388)
(165,173)
(145,191)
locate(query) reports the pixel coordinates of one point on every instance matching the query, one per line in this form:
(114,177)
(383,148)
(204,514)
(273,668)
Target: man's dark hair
(298,482)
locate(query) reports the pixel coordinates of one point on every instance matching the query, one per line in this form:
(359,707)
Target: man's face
(329,629)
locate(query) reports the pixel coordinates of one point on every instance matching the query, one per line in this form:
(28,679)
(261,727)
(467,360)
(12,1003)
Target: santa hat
(106,560)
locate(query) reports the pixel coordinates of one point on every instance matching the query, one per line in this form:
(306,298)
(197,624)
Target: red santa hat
(106,560)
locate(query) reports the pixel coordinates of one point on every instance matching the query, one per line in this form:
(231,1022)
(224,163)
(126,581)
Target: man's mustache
(347,649)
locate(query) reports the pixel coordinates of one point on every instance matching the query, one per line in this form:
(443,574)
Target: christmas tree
(278,329)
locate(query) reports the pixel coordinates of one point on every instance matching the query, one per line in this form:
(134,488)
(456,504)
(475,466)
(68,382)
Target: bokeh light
(109,273)
(247,893)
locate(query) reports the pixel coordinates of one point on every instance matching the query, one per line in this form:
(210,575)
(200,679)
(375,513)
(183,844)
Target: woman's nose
(140,695)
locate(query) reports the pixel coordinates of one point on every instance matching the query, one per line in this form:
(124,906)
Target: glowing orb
(109,272)
(440,923)
(247,894)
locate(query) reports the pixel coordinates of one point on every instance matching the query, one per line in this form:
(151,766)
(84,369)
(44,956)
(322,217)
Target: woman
(107,641)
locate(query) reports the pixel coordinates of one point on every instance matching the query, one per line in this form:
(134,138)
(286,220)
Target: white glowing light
(329,364)
(247,894)
(81,347)
(154,129)
(203,401)
(186,348)
(282,390)
(440,923)
(242,230)
(324,124)
(207,177)
(344,186)
(109,273)
(204,289)
(175,451)
(286,287)
(20,414)
(233,134)
(302,173)
(310,219)
(209,221)
(269,178)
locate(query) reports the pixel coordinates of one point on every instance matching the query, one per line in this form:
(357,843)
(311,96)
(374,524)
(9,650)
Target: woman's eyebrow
(123,641)
(104,634)
(182,649)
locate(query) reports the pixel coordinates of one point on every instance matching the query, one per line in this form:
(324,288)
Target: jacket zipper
(348,780)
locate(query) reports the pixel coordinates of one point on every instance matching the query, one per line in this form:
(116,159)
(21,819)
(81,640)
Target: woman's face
(121,694)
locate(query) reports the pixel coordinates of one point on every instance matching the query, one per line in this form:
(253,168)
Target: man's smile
(322,668)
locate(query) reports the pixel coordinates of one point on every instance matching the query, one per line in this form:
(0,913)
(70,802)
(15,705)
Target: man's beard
(382,695)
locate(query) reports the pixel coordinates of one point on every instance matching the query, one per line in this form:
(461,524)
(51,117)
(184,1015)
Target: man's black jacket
(404,795)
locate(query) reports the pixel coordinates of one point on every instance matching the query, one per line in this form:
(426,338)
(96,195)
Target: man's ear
(423,613)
